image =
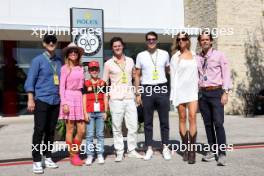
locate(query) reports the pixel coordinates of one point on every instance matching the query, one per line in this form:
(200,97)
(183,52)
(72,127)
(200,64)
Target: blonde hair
(67,62)
(77,63)
(175,44)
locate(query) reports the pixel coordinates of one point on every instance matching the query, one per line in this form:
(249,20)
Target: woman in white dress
(184,90)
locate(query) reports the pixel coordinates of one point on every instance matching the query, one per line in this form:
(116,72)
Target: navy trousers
(212,112)
(160,102)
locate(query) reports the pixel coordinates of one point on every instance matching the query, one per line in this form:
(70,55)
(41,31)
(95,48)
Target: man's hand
(105,116)
(137,84)
(224,99)
(31,105)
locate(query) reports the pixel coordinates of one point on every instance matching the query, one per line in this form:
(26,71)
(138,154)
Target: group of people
(56,91)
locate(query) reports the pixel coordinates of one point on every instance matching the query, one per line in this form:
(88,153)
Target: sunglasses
(181,39)
(50,39)
(74,50)
(152,41)
(92,69)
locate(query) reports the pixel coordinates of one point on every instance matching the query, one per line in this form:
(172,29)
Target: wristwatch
(227,91)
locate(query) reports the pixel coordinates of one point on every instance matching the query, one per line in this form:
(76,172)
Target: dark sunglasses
(151,41)
(50,39)
(73,50)
(93,69)
(181,39)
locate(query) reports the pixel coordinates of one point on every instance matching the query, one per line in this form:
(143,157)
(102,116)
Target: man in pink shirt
(118,70)
(214,86)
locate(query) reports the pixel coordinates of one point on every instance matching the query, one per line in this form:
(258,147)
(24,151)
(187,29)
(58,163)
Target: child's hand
(86,117)
(105,116)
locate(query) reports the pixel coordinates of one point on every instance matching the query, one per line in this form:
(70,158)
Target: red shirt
(90,89)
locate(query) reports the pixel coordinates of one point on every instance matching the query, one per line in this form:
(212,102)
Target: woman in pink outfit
(71,108)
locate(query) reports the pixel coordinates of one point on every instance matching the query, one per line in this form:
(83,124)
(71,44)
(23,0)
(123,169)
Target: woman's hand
(86,117)
(65,109)
(138,100)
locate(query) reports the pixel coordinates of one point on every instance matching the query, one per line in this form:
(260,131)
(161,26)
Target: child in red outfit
(95,104)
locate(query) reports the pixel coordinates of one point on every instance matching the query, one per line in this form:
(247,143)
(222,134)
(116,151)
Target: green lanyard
(154,61)
(119,65)
(53,67)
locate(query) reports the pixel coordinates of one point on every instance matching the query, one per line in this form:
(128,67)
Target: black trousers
(45,120)
(212,112)
(159,101)
(140,114)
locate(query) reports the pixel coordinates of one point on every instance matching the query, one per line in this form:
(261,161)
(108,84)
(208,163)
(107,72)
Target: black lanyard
(205,64)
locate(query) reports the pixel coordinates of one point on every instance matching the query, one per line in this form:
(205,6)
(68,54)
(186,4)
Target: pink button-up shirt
(215,71)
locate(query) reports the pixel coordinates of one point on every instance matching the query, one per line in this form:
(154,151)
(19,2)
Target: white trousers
(121,109)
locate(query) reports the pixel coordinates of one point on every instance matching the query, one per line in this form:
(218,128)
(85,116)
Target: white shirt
(145,61)
(184,79)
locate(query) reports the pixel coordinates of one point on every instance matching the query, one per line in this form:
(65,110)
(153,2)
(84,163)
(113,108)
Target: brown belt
(210,88)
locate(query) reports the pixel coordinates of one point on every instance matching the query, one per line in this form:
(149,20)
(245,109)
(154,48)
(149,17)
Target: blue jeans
(97,121)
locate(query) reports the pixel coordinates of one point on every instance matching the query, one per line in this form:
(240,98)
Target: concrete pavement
(16,133)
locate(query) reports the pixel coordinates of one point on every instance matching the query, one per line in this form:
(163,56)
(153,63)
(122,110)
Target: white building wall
(139,14)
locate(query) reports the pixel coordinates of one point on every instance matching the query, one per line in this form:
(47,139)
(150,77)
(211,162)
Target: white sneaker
(119,157)
(37,168)
(134,154)
(221,160)
(166,153)
(149,154)
(89,160)
(100,159)
(48,163)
